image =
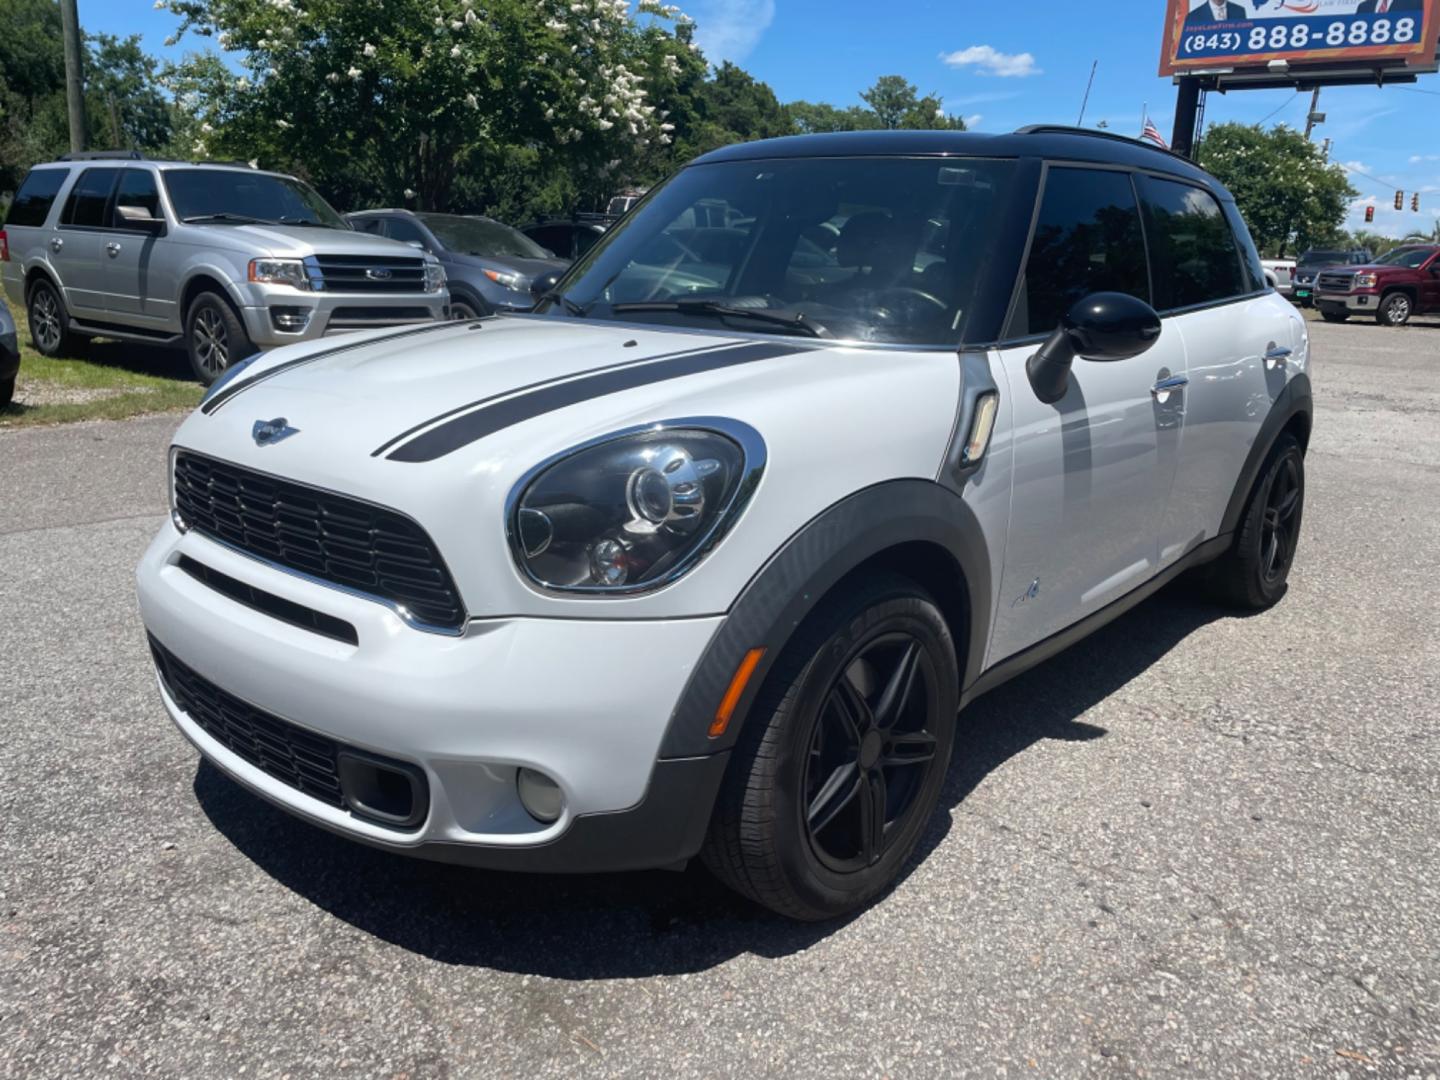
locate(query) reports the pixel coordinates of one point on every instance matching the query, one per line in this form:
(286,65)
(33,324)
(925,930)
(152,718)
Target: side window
(89,198)
(1194,251)
(584,240)
(1088,239)
(407,232)
(137,188)
(373,225)
(554,237)
(35,197)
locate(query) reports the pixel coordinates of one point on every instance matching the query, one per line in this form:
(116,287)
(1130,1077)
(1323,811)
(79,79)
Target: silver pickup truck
(222,259)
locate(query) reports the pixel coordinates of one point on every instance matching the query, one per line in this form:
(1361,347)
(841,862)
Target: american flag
(1151,132)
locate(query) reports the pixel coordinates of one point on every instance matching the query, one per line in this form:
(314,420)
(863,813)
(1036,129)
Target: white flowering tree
(399,101)
(1289,196)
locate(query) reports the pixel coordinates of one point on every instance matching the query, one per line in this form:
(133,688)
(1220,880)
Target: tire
(1252,575)
(7,391)
(775,835)
(464,310)
(1395,309)
(1335,316)
(49,321)
(214,337)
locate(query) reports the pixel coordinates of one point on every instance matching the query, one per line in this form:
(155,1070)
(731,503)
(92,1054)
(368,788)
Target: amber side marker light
(732,695)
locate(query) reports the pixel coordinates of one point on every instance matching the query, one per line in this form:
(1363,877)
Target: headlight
(279,272)
(434,277)
(635,510)
(1366,281)
(512,281)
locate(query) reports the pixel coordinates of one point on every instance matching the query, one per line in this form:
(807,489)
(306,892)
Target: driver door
(1092,472)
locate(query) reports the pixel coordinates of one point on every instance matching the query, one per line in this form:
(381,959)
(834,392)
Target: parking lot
(1194,845)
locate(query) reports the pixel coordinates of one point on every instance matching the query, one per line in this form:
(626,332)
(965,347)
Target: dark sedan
(9,356)
(489,264)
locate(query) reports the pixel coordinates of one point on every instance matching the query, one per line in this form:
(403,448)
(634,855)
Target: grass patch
(109,380)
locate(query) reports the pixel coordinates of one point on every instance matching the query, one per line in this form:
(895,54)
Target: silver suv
(221,258)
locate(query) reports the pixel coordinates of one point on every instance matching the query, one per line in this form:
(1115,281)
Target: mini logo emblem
(378,273)
(268,432)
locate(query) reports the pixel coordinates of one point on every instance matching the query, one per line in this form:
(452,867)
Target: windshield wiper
(564,301)
(303,221)
(226,219)
(795,324)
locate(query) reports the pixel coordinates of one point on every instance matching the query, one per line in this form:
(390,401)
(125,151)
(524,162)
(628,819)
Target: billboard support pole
(1187,104)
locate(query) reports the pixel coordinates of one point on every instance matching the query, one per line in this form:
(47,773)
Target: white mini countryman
(829,436)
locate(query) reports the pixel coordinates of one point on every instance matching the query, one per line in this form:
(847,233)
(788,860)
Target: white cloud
(988,60)
(729,29)
(1416,159)
(1355,166)
(973,120)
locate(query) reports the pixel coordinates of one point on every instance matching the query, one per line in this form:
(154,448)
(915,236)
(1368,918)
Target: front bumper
(587,702)
(277,315)
(1366,301)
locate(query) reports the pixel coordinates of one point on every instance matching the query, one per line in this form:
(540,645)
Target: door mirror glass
(1103,327)
(544,283)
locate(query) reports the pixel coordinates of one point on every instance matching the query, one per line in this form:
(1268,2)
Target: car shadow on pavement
(660,922)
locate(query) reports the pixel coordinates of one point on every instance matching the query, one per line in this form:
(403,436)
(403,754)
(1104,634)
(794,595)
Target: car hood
(301,240)
(531,268)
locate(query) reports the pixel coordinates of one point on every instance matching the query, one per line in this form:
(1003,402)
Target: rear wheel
(214,337)
(1254,572)
(463,311)
(1395,309)
(49,321)
(1334,316)
(839,770)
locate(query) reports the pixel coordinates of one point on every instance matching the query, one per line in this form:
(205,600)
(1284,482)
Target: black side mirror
(139,219)
(1102,327)
(544,284)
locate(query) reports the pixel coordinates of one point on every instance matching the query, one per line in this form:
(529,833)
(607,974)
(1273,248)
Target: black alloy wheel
(870,753)
(842,756)
(1254,573)
(1280,521)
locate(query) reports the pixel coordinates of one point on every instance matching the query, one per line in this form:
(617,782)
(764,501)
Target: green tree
(399,101)
(897,104)
(812,118)
(1287,193)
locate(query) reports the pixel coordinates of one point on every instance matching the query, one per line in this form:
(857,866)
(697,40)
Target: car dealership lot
(1193,845)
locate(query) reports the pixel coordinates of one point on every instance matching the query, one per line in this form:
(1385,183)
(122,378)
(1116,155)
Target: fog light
(290,319)
(540,795)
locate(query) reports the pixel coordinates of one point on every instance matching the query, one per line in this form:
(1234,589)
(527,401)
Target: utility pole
(74,74)
(1187,105)
(1314,116)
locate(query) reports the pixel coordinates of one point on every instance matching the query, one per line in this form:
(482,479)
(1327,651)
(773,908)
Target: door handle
(1277,354)
(1165,386)
(113,248)
(56,243)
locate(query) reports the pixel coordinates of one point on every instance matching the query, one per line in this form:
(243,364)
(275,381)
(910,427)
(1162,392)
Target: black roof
(1056,143)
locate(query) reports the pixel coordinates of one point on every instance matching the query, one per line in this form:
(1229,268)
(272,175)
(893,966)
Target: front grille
(368,273)
(1335,282)
(350,543)
(307,762)
(361,318)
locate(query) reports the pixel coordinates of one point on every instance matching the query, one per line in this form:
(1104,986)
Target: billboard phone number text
(1287,35)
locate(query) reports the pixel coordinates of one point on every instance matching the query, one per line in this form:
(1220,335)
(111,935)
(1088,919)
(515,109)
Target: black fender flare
(1294,400)
(789,586)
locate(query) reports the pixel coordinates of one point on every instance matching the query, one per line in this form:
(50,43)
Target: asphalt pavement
(1194,845)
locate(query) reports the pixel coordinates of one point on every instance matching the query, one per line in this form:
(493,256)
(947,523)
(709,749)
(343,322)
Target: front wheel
(1334,316)
(1254,572)
(839,769)
(1395,310)
(214,337)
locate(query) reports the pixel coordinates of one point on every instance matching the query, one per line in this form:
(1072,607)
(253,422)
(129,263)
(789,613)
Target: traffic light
(1369,215)
(1399,200)
(1415,202)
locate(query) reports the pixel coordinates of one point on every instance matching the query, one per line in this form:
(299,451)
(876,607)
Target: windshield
(481,236)
(237,196)
(1324,258)
(863,249)
(1413,258)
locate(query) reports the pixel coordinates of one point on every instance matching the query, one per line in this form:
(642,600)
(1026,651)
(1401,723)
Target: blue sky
(974,56)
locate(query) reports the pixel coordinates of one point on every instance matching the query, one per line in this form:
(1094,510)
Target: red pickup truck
(1396,286)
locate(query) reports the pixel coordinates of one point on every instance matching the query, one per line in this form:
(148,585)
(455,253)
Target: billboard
(1210,34)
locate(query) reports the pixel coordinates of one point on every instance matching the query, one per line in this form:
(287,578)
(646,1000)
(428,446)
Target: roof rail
(215,161)
(103,155)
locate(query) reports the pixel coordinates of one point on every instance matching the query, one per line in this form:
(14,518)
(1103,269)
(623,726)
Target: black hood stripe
(473,426)
(518,390)
(309,358)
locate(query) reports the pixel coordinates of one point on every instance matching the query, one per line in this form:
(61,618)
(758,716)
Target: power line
(1282,105)
(1414,90)
(1367,176)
